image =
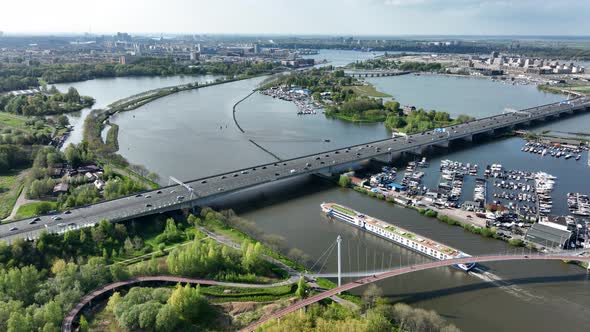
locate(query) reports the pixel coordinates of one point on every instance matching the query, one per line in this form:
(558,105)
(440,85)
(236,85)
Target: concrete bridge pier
(388,158)
(468,138)
(417,151)
(444,144)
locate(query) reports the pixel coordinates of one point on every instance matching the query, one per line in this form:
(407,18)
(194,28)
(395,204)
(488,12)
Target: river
(185,135)
(107,90)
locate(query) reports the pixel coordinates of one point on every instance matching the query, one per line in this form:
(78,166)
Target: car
(172,191)
(277,174)
(244,172)
(263,167)
(148,205)
(317,158)
(292,171)
(336,152)
(220,189)
(358,154)
(148,196)
(284,164)
(57,218)
(37,219)
(254,168)
(308,165)
(204,181)
(61,225)
(32,222)
(223,177)
(322,163)
(235,175)
(327,156)
(12,229)
(72,224)
(276,164)
(469,216)
(138,195)
(67,212)
(179,198)
(159,192)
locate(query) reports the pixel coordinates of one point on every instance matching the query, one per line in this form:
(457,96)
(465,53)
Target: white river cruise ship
(400,236)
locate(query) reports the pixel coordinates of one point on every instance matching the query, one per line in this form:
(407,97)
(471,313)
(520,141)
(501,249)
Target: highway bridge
(376,73)
(204,190)
(404,270)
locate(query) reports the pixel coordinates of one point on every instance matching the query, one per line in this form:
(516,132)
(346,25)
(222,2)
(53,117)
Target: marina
(300,97)
(554,150)
(398,235)
(578,204)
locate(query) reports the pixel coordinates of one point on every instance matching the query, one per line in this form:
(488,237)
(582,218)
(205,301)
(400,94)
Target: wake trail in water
(511,289)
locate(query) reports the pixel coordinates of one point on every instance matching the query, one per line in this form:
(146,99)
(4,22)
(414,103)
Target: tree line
(49,103)
(21,76)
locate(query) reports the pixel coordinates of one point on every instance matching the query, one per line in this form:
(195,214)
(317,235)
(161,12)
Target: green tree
(344,181)
(167,319)
(63,121)
(83,324)
(371,294)
(18,323)
(301,291)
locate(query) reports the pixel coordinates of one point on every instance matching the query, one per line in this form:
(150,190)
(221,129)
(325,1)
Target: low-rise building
(548,236)
(61,188)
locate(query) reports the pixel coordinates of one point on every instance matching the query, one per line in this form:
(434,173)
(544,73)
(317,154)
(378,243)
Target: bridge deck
(213,186)
(404,270)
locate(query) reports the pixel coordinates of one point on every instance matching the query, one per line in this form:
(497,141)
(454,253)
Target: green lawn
(361,119)
(19,122)
(14,121)
(30,209)
(10,187)
(344,210)
(368,91)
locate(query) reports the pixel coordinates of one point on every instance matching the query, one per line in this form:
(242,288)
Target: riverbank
(450,216)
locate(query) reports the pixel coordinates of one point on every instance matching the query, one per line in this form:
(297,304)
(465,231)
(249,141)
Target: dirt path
(21,200)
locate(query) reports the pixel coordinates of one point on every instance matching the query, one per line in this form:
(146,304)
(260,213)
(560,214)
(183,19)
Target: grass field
(585,89)
(14,121)
(10,187)
(363,119)
(30,209)
(368,90)
(17,122)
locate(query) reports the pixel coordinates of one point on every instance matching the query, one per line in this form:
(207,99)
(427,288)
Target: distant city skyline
(325,17)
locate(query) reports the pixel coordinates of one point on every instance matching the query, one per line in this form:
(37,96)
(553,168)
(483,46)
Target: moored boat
(397,235)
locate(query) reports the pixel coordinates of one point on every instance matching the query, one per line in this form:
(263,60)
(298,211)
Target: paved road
(405,270)
(167,199)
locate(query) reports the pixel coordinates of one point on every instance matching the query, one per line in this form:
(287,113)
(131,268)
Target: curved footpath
(405,270)
(99,293)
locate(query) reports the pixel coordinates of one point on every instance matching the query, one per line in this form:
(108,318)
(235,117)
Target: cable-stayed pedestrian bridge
(377,276)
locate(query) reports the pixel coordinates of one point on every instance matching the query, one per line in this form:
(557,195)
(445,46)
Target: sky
(324,17)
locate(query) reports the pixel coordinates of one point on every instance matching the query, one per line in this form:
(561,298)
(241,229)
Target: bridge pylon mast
(339,241)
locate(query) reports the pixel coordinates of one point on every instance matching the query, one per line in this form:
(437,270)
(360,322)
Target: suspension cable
(320,258)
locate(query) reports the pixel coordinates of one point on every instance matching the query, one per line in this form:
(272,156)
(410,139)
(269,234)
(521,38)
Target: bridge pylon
(339,241)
